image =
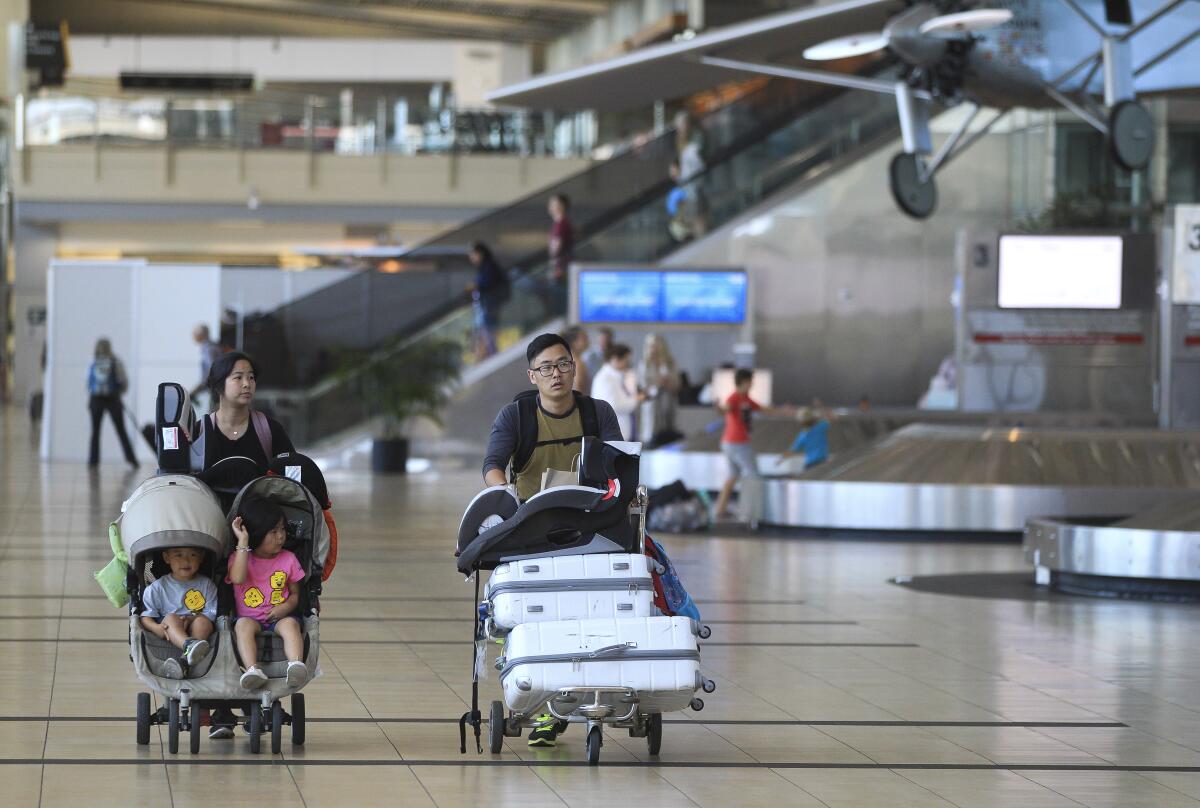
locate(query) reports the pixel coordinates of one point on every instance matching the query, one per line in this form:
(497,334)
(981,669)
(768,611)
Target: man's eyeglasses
(564,366)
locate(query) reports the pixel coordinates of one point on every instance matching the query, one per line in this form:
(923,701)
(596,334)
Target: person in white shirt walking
(615,383)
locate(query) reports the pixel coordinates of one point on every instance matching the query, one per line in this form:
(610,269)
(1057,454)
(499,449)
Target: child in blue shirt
(812,440)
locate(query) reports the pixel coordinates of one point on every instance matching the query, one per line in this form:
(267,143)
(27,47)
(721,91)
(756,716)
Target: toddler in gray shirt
(181,608)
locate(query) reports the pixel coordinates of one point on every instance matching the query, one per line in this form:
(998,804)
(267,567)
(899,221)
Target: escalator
(772,137)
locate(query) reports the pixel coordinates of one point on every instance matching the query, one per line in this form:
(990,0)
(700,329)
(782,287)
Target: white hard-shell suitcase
(658,658)
(570,587)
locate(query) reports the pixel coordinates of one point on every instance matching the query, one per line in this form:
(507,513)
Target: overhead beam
(558,7)
(392,17)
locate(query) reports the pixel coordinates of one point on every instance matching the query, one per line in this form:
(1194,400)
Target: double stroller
(572,597)
(178,509)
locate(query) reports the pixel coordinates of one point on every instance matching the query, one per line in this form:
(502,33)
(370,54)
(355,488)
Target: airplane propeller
(959,25)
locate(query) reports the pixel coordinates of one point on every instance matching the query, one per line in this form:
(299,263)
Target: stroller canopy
(173,510)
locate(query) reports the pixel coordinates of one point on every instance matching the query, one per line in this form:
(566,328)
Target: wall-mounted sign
(1186,264)
(46,53)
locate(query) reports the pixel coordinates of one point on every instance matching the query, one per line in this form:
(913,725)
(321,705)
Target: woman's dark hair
(220,371)
(259,517)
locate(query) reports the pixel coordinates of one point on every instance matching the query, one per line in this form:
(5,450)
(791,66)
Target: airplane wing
(673,69)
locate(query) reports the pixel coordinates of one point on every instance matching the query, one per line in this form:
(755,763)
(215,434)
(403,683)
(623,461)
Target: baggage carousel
(955,476)
(1153,555)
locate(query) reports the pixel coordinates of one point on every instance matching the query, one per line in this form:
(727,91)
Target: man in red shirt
(739,409)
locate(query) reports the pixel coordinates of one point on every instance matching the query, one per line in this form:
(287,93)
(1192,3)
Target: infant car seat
(174,426)
(591,517)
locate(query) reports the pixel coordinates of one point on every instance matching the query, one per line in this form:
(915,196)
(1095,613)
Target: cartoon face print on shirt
(253,597)
(278,582)
(194,601)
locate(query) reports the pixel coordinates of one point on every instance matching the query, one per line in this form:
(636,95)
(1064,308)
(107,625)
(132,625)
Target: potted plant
(399,382)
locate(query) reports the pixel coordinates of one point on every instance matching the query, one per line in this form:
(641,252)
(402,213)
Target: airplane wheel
(1131,135)
(915,197)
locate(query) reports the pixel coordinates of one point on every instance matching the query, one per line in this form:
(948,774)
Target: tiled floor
(836,688)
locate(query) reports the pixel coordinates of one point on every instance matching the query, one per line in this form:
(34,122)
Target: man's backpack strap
(527,428)
(587,415)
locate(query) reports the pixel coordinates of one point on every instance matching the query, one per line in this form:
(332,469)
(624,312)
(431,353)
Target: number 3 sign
(1186,280)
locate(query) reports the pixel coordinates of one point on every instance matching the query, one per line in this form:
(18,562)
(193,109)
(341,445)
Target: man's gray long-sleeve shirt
(503,441)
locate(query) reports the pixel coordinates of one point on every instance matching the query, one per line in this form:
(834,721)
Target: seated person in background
(813,438)
(181,608)
(265,580)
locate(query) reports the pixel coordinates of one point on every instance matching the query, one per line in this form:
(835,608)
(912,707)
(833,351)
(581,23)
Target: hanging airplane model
(1089,56)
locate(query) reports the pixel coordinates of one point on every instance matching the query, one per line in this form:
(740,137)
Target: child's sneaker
(297,673)
(194,651)
(172,668)
(253,678)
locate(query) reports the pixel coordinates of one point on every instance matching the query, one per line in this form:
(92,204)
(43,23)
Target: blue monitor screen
(630,296)
(619,297)
(704,297)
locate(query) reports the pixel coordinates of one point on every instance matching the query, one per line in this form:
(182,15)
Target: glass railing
(827,136)
(301,340)
(317,123)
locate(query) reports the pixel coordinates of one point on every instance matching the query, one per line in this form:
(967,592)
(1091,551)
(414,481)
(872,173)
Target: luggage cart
(594,706)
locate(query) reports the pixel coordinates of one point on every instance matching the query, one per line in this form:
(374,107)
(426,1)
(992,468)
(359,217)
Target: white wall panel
(148,312)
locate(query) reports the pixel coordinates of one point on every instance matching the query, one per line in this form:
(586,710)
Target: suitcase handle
(612,650)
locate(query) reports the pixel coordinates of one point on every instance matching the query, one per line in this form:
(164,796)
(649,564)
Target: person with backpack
(489,292)
(106,383)
(541,428)
(235,428)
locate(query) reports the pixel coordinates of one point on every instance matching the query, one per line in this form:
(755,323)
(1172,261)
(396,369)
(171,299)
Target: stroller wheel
(496,727)
(173,727)
(276,727)
(197,719)
(297,719)
(143,718)
(256,727)
(654,733)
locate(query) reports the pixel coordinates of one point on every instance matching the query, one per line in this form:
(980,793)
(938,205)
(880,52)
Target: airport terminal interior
(600,402)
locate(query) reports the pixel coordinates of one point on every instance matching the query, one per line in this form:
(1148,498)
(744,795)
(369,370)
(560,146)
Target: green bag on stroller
(112,577)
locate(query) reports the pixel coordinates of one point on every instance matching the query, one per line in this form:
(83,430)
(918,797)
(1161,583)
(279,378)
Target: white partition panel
(148,313)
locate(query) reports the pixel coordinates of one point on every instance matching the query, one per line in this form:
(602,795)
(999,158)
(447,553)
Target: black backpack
(527,427)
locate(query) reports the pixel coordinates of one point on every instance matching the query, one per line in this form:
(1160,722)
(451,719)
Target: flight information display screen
(662,296)
(619,297)
(704,297)
(1060,272)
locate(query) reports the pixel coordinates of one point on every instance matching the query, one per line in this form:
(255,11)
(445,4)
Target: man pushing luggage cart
(572,592)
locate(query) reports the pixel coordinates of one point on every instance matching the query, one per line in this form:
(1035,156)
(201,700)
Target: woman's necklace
(235,432)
